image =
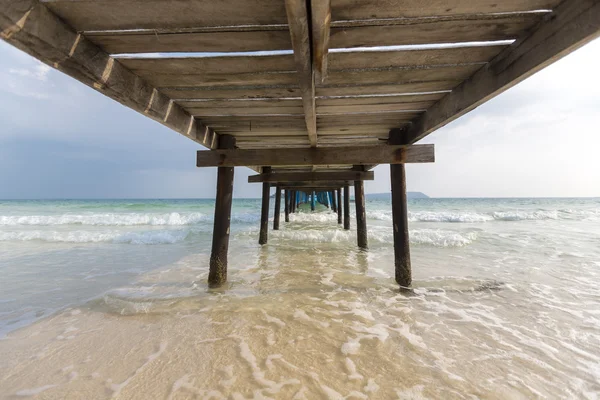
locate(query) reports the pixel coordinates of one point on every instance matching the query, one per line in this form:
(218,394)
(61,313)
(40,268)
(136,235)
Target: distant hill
(387,196)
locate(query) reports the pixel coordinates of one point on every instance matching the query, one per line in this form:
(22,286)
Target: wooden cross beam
(284,177)
(357,155)
(314,186)
(572,24)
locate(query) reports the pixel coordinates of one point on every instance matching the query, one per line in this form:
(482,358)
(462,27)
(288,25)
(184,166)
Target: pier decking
(312,94)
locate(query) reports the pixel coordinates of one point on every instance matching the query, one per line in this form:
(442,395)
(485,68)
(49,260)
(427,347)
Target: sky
(61,139)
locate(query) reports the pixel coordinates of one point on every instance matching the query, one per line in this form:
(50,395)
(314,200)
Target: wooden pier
(338,87)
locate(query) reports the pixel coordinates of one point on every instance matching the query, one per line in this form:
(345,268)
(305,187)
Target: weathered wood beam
(264,212)
(320,11)
(572,24)
(339,205)
(299,23)
(331,194)
(319,186)
(286,206)
(346,207)
(358,155)
(217,274)
(282,177)
(400,225)
(33,28)
(361,216)
(277,211)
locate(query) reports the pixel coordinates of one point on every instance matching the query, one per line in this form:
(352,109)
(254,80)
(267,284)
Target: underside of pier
(311,94)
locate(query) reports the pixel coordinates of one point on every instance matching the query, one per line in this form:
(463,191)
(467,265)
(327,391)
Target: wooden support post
(346,207)
(286,205)
(264,212)
(277,208)
(312,201)
(217,274)
(400,222)
(333,202)
(339,204)
(361,217)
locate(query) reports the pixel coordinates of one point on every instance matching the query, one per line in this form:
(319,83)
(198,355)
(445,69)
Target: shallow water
(108,299)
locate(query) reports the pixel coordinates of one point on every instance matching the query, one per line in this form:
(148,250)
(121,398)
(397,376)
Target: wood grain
(362,155)
(298,21)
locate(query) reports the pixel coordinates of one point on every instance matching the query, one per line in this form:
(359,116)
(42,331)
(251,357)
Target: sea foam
(144,238)
(105,219)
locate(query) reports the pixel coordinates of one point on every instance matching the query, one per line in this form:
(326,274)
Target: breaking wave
(116,219)
(427,237)
(474,217)
(148,237)
(106,219)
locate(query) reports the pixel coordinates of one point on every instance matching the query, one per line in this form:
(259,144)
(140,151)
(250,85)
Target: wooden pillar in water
(400,221)
(361,217)
(217,274)
(312,201)
(339,204)
(346,207)
(333,202)
(277,208)
(264,212)
(286,205)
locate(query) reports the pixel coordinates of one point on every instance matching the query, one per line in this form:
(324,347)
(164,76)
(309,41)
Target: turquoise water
(534,265)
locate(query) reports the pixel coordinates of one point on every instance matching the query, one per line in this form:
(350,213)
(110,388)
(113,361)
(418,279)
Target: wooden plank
(356,88)
(404,58)
(346,10)
(361,155)
(276,138)
(173,80)
(221,41)
(316,186)
(573,24)
(297,16)
(462,28)
(221,64)
(282,177)
(295,120)
(364,119)
(333,141)
(383,107)
(402,75)
(31,27)
(346,101)
(90,15)
(379,131)
(232,92)
(237,103)
(202,111)
(320,11)
(364,124)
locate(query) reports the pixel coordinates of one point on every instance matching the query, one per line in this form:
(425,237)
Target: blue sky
(61,139)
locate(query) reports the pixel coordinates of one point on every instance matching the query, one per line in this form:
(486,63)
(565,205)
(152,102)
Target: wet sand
(329,324)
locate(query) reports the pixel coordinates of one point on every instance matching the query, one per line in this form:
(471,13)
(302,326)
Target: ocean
(108,299)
